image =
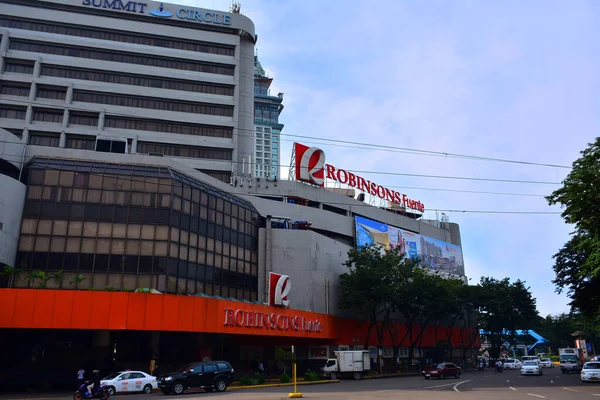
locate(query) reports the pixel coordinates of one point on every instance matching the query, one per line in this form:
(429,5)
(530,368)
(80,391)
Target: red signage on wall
(269,320)
(279,289)
(311,168)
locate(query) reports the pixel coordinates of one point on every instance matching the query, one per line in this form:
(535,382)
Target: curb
(282,385)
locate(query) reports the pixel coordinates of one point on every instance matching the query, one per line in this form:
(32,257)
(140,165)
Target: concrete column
(65,121)
(134,144)
(3,48)
(32,91)
(101,119)
(62,143)
(25,138)
(37,68)
(69,98)
(29,115)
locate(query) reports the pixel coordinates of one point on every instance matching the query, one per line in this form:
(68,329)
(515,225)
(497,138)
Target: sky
(512,79)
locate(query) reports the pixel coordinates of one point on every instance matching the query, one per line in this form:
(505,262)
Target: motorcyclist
(95,383)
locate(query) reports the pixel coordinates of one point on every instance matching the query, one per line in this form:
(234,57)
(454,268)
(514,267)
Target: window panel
(42,243)
(160,248)
(183,253)
(162,233)
(119,230)
(210,259)
(29,226)
(117,246)
(90,229)
(73,245)
(26,243)
(147,232)
(146,248)
(88,246)
(134,231)
(103,246)
(132,247)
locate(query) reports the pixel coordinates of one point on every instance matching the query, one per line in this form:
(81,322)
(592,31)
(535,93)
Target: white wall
(12,198)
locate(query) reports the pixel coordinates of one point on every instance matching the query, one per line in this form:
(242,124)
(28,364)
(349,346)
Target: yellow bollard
(295,394)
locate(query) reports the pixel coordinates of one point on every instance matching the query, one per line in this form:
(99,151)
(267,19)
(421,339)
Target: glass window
(73,245)
(119,230)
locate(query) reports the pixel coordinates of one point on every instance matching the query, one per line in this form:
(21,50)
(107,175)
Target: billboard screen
(433,253)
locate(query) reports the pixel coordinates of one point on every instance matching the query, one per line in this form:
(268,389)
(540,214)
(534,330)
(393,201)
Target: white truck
(571,360)
(346,364)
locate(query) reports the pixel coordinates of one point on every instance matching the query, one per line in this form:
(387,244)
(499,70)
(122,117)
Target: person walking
(80,377)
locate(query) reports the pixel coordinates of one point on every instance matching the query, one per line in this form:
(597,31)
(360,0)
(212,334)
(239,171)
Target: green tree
(504,308)
(577,264)
(367,287)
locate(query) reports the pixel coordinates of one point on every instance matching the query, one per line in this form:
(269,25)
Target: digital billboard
(433,253)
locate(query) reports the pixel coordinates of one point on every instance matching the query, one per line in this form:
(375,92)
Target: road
(486,385)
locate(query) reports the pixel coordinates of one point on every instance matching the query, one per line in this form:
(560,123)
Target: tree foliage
(503,308)
(559,329)
(577,264)
(391,290)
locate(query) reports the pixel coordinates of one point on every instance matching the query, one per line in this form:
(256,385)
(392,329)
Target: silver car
(531,367)
(511,363)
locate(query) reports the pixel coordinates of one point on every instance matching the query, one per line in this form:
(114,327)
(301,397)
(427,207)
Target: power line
(412,175)
(133,179)
(339,141)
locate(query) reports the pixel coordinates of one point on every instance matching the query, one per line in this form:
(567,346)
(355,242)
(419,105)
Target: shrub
(256,379)
(311,376)
(285,378)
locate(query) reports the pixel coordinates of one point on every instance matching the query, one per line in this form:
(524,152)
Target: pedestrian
(80,377)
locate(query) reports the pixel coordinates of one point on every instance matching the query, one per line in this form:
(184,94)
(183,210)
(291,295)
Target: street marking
(536,395)
(459,383)
(512,388)
(572,390)
(557,376)
(508,381)
(596,394)
(437,386)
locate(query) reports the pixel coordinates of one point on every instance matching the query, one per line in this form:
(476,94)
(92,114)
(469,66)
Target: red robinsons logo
(279,288)
(310,168)
(310,163)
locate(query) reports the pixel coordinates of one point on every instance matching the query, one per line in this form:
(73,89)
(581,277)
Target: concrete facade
(11,210)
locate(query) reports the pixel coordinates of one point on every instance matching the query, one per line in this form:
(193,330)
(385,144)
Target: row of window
(68,179)
(128,58)
(177,150)
(141,215)
(129,79)
(142,234)
(155,104)
(56,244)
(128,281)
(118,36)
(91,119)
(181,128)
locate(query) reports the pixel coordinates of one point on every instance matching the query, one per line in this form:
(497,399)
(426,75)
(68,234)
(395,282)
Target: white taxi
(590,372)
(130,382)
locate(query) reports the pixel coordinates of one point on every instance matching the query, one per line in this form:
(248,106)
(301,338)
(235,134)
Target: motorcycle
(100,393)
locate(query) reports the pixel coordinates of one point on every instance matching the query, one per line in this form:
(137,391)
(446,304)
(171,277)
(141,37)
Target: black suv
(209,375)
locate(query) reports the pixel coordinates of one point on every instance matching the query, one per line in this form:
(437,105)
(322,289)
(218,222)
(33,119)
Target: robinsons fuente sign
(161,12)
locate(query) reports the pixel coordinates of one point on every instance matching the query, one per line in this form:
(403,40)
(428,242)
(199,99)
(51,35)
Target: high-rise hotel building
(268,128)
(130,77)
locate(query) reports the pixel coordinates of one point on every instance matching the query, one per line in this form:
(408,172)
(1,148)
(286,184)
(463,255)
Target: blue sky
(511,79)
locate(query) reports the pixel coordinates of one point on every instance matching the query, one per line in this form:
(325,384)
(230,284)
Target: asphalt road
(474,385)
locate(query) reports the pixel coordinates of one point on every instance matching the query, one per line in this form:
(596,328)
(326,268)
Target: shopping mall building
(124,127)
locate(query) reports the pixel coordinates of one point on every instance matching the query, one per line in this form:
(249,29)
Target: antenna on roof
(235,7)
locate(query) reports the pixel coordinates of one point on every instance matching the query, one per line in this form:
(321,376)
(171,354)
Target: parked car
(443,370)
(129,382)
(546,363)
(531,367)
(590,372)
(209,375)
(511,363)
